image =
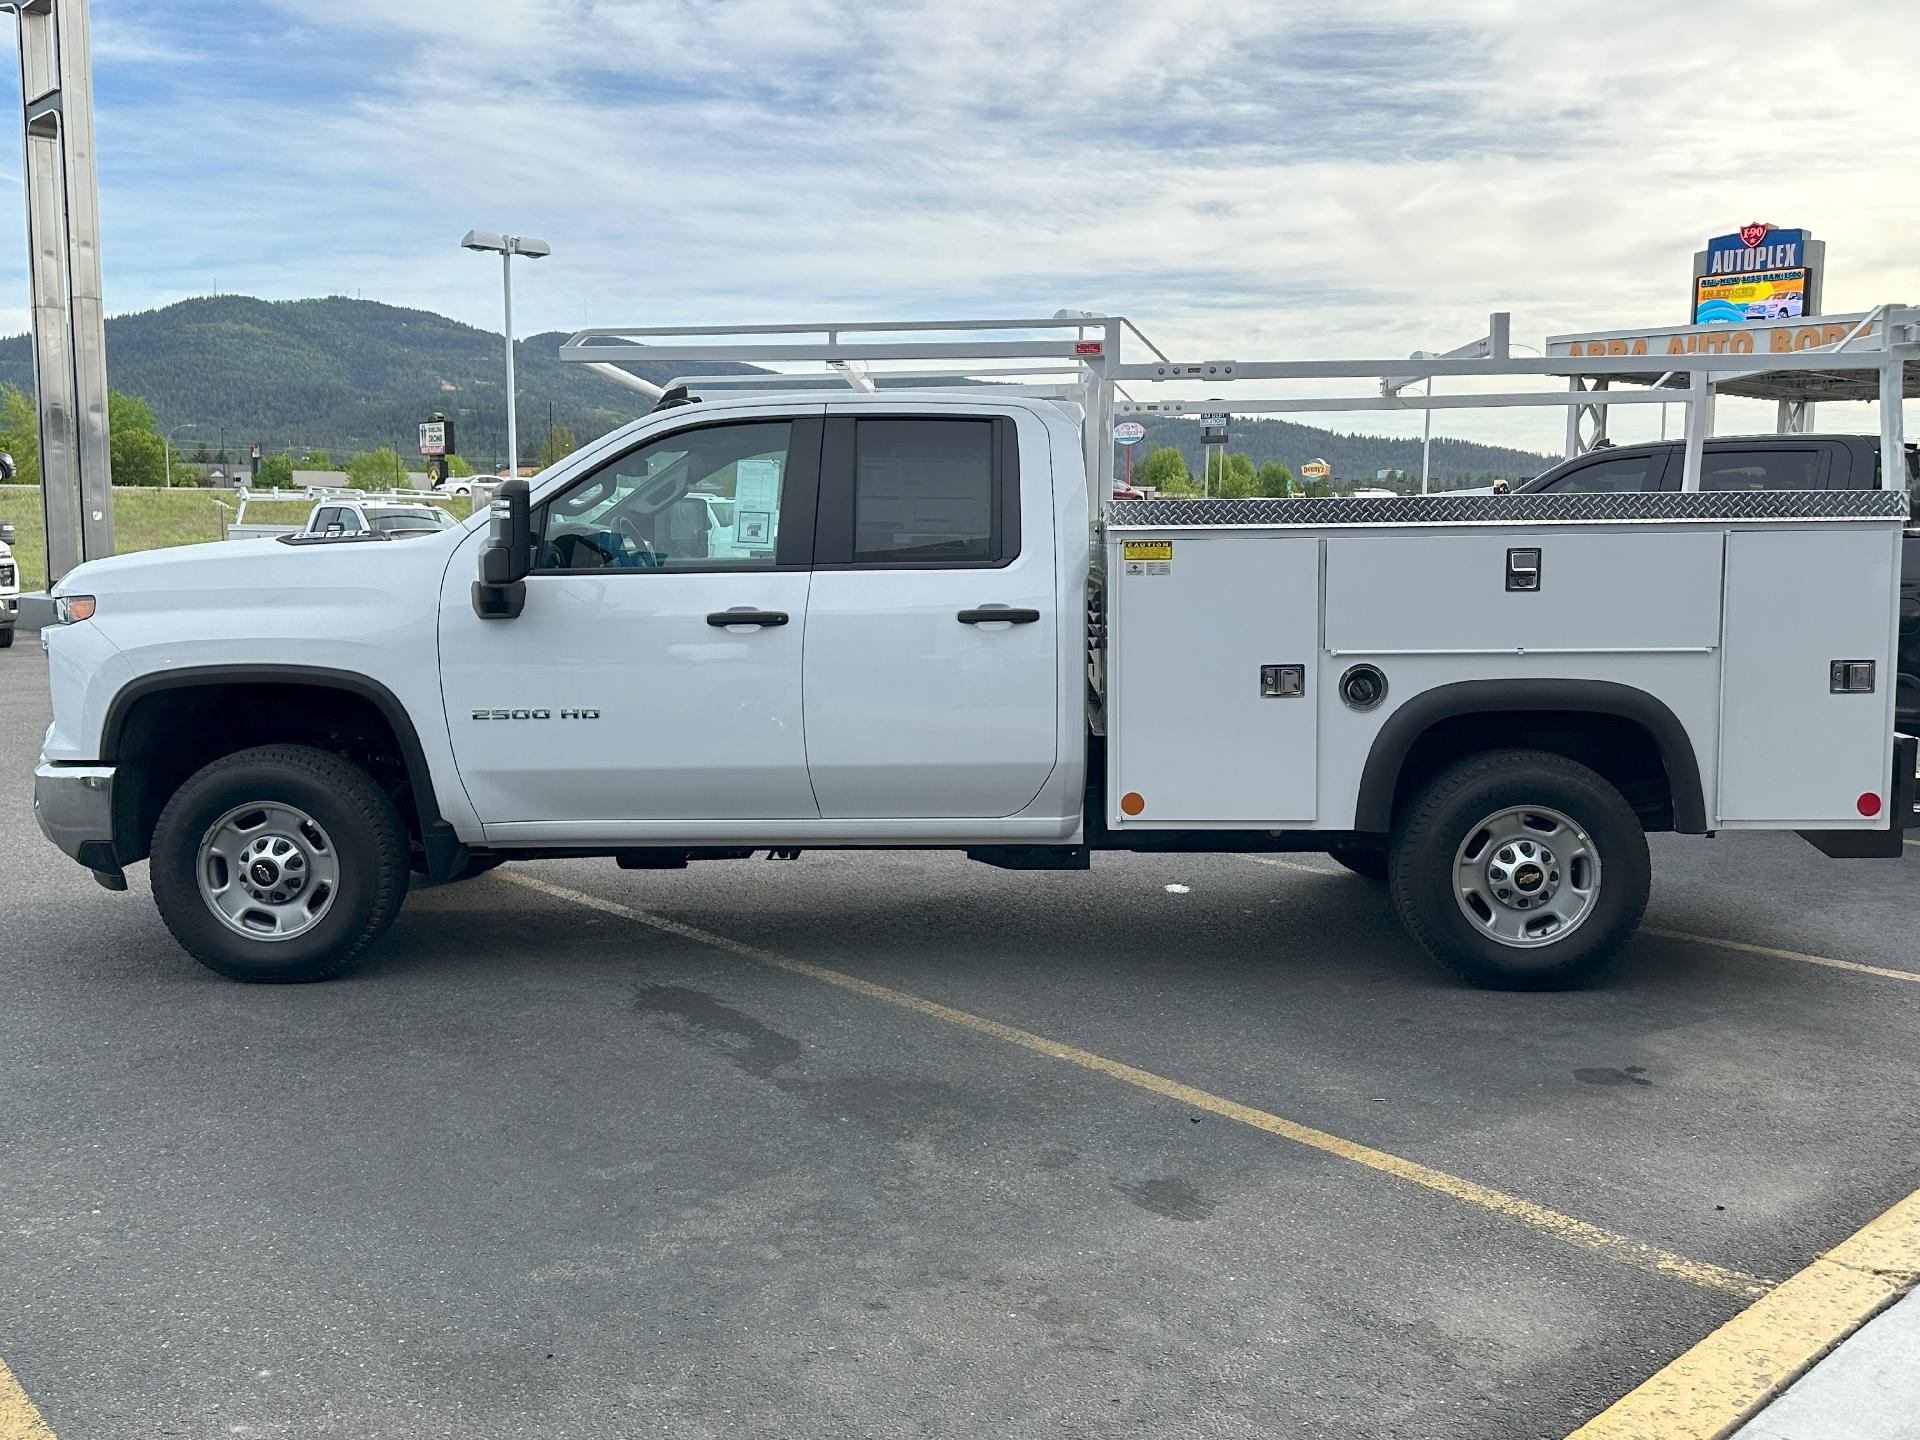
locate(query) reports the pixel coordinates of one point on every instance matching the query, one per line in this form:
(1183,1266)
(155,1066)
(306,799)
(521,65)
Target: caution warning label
(1147,557)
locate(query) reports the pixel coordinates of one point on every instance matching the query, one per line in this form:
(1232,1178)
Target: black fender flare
(1381,775)
(445,853)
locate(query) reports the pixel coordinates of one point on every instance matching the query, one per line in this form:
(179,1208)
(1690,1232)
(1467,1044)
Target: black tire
(1443,818)
(368,840)
(6,638)
(1367,861)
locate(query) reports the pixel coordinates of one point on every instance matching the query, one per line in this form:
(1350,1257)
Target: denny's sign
(1751,339)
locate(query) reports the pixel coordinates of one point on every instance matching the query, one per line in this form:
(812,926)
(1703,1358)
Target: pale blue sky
(1243,177)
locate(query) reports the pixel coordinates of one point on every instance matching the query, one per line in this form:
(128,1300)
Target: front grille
(7,575)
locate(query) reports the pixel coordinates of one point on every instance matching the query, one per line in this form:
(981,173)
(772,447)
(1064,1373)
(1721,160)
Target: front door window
(708,498)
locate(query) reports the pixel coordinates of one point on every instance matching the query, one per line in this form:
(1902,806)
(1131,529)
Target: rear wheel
(280,864)
(1520,870)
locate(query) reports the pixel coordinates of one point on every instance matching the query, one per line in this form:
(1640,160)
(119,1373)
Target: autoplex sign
(1781,339)
(1759,272)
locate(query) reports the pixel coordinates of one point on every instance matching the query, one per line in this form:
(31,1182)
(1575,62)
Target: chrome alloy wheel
(1526,876)
(268,871)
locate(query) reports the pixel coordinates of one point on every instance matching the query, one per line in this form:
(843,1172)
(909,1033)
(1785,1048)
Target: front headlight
(71,609)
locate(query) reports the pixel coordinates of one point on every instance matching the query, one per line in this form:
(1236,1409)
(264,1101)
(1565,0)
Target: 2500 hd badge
(535,714)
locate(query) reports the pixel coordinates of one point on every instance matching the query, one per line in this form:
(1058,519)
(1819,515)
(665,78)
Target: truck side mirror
(501,591)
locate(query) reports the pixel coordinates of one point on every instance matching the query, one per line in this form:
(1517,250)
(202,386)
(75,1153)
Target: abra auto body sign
(1781,338)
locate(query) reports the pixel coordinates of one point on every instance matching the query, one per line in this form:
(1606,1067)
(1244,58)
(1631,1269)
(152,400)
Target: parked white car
(463,485)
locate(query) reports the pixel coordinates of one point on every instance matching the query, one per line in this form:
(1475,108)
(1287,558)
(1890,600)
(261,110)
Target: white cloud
(1245,179)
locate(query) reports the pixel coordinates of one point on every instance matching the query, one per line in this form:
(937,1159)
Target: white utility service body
(1703,623)
(1359,676)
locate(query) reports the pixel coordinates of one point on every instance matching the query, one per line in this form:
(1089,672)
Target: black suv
(1767,462)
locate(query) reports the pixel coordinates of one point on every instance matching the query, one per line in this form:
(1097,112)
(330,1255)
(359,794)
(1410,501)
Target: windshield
(427,517)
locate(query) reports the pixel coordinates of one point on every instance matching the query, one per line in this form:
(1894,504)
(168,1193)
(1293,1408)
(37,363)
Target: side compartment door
(918,702)
(1792,752)
(621,692)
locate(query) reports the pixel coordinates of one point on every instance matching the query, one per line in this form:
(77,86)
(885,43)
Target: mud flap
(1878,844)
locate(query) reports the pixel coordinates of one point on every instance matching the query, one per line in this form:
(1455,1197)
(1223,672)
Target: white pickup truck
(9,586)
(336,513)
(930,634)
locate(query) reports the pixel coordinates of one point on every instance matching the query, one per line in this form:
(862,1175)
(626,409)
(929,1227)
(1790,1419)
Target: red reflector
(1087,347)
(1869,804)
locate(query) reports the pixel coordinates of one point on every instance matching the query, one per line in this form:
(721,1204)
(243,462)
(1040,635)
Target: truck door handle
(721,618)
(1000,614)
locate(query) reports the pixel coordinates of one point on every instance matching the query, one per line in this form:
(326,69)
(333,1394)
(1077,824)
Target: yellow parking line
(1746,1362)
(1854,965)
(20,1419)
(1561,1227)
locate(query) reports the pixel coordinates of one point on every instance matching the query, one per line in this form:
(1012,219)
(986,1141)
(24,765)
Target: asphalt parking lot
(899,1145)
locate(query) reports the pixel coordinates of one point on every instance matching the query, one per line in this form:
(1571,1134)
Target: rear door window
(920,492)
(923,490)
(1796,468)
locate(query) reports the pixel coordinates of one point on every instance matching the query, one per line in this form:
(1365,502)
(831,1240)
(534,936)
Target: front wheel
(6,637)
(1520,870)
(279,864)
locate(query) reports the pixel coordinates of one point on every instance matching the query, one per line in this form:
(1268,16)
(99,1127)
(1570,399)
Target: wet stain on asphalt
(1169,1197)
(732,1034)
(893,1106)
(1602,1075)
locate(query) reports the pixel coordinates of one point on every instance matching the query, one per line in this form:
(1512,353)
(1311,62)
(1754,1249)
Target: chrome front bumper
(74,805)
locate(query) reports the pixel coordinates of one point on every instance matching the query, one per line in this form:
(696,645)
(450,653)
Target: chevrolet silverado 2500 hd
(929,633)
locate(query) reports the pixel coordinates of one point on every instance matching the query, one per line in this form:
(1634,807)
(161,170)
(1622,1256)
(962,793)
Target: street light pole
(166,446)
(508,246)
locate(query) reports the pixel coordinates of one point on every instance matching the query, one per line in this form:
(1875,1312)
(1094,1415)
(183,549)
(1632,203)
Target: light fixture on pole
(166,446)
(508,246)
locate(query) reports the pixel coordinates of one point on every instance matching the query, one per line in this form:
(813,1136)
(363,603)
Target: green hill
(343,375)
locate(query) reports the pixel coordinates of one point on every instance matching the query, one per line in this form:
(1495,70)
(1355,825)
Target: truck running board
(1032,857)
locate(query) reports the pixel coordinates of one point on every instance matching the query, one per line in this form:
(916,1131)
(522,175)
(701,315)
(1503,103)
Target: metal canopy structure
(1078,356)
(63,262)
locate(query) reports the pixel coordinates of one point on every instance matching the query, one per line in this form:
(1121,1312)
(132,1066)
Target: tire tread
(1426,813)
(351,786)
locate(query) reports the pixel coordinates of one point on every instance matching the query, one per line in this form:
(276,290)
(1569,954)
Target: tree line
(141,456)
(1227,477)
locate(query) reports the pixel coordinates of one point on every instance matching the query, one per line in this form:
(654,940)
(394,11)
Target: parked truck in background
(935,632)
(1735,463)
(9,586)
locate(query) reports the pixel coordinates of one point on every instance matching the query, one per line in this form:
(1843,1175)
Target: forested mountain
(345,375)
(342,375)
